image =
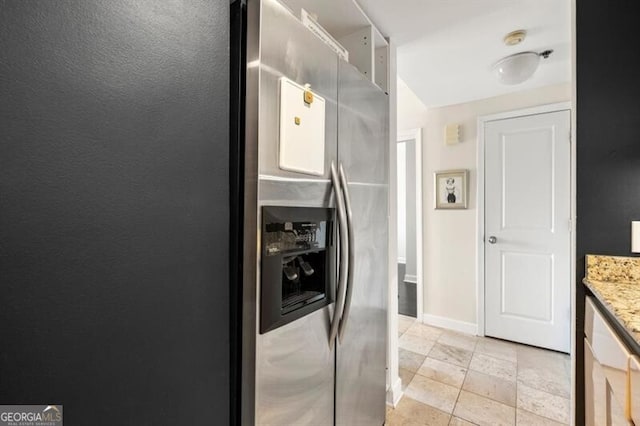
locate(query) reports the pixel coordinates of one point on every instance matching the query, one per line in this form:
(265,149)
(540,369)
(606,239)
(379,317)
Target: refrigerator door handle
(351,257)
(344,250)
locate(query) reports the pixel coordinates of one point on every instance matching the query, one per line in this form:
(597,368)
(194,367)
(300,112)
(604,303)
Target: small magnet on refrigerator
(308,97)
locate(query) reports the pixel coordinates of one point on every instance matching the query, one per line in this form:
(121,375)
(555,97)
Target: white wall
(449,235)
(412,113)
(402,203)
(410,208)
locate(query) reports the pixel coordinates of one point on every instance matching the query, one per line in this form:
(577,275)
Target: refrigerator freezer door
(294,365)
(363,151)
(288,49)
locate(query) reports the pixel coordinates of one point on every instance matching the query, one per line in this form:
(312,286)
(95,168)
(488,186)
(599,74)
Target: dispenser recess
(298,263)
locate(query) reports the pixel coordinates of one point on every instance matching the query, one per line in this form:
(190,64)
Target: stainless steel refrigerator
(322,361)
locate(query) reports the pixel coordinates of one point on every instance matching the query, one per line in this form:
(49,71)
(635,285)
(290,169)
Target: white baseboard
(394,394)
(411,279)
(450,324)
(402,260)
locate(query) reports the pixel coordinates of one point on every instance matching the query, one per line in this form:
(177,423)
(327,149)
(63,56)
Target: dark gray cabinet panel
(114,211)
(608,141)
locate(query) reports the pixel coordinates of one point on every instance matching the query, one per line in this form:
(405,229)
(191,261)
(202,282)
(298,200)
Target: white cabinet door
(527,230)
(602,405)
(634,387)
(607,397)
(595,390)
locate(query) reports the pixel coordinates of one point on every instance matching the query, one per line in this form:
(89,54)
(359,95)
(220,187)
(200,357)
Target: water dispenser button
(290,272)
(306,268)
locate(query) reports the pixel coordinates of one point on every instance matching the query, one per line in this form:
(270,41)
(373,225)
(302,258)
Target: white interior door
(527,230)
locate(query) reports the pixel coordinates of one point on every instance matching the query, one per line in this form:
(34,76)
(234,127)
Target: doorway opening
(409,197)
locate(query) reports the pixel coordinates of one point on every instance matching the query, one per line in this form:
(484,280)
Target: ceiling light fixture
(515,37)
(518,68)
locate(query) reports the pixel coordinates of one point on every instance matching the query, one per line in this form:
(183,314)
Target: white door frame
(480,288)
(416,136)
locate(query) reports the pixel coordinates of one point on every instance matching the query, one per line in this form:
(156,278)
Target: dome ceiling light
(519,67)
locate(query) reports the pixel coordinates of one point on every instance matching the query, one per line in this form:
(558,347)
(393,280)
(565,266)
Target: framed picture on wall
(451,189)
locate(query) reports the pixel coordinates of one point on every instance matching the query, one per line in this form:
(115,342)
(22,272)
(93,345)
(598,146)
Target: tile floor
(450,378)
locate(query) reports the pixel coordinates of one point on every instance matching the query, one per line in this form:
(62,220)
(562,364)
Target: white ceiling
(445,48)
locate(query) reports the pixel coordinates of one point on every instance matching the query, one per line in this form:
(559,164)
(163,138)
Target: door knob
(492,240)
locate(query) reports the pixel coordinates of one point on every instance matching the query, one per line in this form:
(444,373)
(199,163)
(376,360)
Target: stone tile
(493,366)
(442,372)
(567,367)
(543,403)
(545,379)
(497,348)
(415,344)
(389,410)
(529,356)
(410,361)
(489,385)
(457,421)
(492,387)
(450,354)
(430,392)
(525,418)
(425,331)
(483,411)
(422,413)
(458,340)
(405,376)
(395,419)
(404,322)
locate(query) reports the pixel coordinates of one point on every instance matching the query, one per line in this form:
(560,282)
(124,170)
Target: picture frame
(451,189)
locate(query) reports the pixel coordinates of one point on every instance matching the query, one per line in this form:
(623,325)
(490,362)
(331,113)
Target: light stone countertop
(615,281)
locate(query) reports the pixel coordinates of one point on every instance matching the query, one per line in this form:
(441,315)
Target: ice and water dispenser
(298,263)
